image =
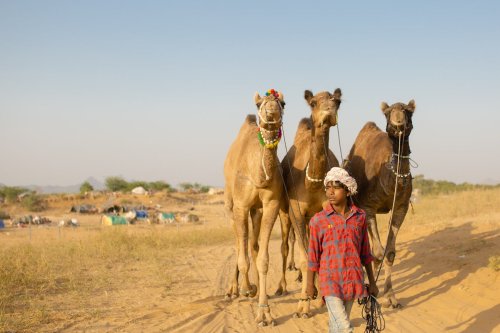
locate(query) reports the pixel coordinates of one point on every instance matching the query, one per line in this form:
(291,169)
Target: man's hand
(373,289)
(311,291)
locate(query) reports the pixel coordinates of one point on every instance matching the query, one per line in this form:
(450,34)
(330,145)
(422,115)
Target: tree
(115,184)
(186,186)
(10,193)
(34,203)
(86,187)
(159,185)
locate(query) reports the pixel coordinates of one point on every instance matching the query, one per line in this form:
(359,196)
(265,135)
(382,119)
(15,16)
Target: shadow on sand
(453,249)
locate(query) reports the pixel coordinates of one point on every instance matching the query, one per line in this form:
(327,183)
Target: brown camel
(253,186)
(373,162)
(304,168)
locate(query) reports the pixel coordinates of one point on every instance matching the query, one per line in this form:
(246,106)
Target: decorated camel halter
(312,180)
(269,143)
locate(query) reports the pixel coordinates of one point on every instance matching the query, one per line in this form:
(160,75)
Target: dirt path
(446,287)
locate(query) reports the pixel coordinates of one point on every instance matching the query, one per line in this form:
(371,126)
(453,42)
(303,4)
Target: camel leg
(377,248)
(291,263)
(256,215)
(389,296)
(233,291)
(285,230)
(240,216)
(304,306)
(269,217)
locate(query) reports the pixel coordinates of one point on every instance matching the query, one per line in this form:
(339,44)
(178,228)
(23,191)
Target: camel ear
(308,95)
(281,99)
(257,99)
(337,94)
(384,106)
(411,106)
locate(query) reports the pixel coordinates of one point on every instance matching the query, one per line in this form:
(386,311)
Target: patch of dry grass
(439,210)
(85,264)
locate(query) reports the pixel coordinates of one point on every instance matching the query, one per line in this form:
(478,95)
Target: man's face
(336,193)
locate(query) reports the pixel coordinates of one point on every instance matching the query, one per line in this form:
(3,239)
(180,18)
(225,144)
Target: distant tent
(139,190)
(112,208)
(166,217)
(141,214)
(83,209)
(113,220)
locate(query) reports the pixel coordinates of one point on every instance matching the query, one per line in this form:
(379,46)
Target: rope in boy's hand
(372,313)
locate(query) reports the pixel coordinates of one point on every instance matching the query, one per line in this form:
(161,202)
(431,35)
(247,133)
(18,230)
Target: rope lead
(372,313)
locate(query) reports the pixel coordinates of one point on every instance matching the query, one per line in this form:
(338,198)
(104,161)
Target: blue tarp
(141,214)
(2,225)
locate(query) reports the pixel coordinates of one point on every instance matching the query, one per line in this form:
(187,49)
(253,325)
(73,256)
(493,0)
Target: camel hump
(304,124)
(251,119)
(370,126)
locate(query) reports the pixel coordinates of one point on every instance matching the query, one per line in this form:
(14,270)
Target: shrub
(115,184)
(34,203)
(86,187)
(10,193)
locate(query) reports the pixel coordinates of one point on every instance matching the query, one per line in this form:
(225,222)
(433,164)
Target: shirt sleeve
(315,249)
(365,255)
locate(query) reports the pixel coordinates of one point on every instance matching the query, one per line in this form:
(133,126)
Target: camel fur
(373,162)
(304,169)
(253,187)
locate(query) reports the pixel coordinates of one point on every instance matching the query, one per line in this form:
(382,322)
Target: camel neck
(268,165)
(318,160)
(404,156)
(405,149)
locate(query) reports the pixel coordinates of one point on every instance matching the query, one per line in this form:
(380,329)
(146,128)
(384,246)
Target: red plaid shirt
(337,249)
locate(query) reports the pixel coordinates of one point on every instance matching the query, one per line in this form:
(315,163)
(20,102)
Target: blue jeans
(339,311)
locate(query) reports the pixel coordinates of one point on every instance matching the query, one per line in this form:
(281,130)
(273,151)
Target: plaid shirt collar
(329,209)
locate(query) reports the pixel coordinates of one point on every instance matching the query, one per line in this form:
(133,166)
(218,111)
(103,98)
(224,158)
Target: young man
(338,247)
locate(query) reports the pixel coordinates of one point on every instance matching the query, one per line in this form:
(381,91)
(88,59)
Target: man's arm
(313,259)
(372,289)
(311,290)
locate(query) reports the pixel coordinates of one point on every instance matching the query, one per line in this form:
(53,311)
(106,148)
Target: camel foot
(281,291)
(299,277)
(291,266)
(264,316)
(304,315)
(251,292)
(391,302)
(231,296)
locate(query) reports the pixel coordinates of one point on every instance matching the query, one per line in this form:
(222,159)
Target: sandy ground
(441,277)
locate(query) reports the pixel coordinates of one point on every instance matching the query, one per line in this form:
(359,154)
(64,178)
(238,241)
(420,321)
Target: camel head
(270,110)
(398,117)
(324,107)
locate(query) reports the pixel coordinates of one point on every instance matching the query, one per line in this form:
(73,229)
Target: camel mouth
(270,115)
(327,119)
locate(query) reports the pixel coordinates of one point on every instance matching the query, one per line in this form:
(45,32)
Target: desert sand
(442,276)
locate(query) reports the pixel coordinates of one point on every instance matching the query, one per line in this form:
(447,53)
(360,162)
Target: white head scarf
(340,175)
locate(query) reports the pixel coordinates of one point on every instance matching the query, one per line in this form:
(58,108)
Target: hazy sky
(157,90)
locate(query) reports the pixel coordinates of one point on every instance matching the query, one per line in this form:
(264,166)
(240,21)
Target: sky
(157,90)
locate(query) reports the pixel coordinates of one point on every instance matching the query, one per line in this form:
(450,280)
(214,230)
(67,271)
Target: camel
(253,185)
(304,168)
(373,162)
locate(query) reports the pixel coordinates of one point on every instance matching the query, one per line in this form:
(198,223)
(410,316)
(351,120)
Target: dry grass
(57,278)
(86,262)
(442,210)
